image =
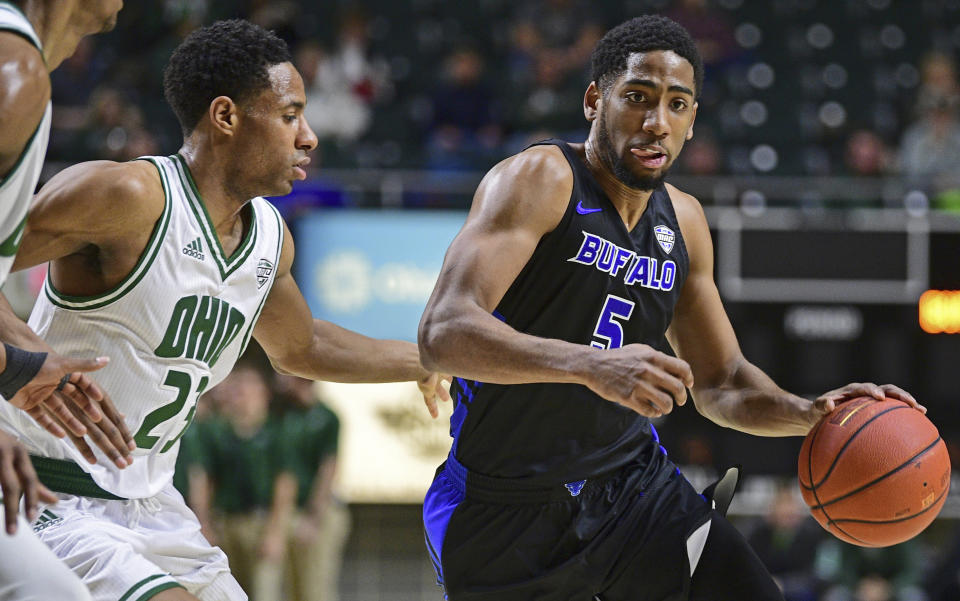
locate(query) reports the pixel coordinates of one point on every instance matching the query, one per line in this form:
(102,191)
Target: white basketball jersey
(16,189)
(173,328)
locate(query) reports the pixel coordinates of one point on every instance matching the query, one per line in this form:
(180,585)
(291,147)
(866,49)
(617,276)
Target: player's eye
(679,105)
(635,97)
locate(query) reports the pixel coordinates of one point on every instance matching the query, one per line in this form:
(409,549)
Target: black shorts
(610,541)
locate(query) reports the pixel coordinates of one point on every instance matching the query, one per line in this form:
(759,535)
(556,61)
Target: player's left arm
(298,344)
(728,389)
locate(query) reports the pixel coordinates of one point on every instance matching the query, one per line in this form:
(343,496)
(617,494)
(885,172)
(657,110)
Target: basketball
(874,473)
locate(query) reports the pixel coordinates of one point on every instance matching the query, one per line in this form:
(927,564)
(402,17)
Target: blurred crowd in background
(258,467)
(793,87)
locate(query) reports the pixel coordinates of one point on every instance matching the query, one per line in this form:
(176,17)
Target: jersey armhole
(149,254)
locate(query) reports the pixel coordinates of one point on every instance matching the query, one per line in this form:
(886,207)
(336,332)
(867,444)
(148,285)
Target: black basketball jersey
(592,282)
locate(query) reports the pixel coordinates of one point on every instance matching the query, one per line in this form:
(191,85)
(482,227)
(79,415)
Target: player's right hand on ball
(640,378)
(17,477)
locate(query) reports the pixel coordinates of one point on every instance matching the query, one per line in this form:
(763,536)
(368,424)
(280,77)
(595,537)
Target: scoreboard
(820,299)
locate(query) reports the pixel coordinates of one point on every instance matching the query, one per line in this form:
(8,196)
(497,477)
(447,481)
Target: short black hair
(643,34)
(226,58)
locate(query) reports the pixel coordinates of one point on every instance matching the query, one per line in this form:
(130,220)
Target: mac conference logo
(665,237)
(264,269)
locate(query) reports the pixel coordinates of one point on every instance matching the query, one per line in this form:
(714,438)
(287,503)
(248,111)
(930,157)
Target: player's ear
(591,102)
(223,114)
(696,105)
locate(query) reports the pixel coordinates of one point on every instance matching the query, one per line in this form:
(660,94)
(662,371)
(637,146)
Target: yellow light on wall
(940,311)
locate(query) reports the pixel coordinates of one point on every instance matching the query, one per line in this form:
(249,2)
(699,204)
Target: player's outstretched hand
(640,378)
(17,477)
(431,387)
(828,401)
(60,373)
(110,433)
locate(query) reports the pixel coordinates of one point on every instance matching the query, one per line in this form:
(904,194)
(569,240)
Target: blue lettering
(623,257)
(637,269)
(605,262)
(668,276)
(654,282)
(640,272)
(588,250)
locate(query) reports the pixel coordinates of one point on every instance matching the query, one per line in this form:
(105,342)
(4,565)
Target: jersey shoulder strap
(13,19)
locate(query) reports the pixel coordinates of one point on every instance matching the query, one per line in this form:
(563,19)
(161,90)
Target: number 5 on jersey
(609,329)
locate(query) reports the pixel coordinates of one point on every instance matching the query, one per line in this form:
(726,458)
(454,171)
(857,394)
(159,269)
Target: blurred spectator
(566,30)
(342,85)
(710,29)
(114,129)
(242,487)
(786,541)
(465,132)
(930,147)
(870,574)
(553,103)
(321,523)
(73,83)
(866,154)
(548,61)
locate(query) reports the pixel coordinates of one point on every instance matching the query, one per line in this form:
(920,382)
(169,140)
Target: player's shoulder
(688,209)
(130,189)
(24,90)
(542,167)
(531,189)
(22,63)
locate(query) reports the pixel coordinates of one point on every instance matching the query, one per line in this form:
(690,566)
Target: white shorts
(134,549)
(30,572)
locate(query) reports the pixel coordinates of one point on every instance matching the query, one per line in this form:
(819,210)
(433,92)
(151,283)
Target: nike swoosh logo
(585,211)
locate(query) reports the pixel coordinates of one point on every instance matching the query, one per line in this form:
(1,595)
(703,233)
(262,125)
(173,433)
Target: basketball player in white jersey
(35,37)
(171,265)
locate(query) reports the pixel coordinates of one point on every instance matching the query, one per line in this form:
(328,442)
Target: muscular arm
(518,202)
(24,93)
(728,389)
(296,343)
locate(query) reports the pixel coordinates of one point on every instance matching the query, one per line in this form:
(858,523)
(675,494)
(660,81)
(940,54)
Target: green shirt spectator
(313,436)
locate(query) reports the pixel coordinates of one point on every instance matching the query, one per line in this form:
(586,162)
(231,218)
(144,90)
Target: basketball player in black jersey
(555,304)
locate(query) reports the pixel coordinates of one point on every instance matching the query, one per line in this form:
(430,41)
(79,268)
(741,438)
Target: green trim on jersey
(29,35)
(9,247)
(26,151)
(151,592)
(158,589)
(276,262)
(97,301)
(226,265)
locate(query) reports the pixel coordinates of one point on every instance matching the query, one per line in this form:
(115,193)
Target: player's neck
(630,202)
(223,204)
(58,26)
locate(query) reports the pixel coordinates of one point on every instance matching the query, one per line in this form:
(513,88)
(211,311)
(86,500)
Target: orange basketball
(874,473)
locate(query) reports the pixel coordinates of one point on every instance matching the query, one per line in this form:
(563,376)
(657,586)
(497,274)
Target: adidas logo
(194,249)
(46,519)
